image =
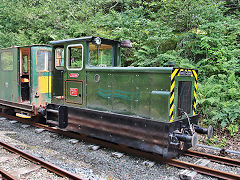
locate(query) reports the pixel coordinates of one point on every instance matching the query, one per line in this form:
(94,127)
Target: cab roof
(26,46)
(87,38)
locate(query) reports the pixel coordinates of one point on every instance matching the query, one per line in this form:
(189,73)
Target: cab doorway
(24,74)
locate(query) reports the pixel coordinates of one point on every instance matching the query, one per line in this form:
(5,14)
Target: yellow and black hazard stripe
(176,72)
(173,75)
(195,91)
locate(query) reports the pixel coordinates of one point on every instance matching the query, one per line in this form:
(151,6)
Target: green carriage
(25,79)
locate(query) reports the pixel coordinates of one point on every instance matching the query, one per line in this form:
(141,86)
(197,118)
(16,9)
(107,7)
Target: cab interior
(24,74)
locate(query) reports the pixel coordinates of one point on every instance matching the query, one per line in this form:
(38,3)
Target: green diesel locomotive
(148,108)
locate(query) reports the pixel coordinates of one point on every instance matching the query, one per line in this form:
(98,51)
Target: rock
(73,141)
(39,130)
(117,154)
(94,147)
(13,122)
(25,126)
(2,118)
(148,163)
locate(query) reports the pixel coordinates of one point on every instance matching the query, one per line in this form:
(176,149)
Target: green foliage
(201,34)
(233,129)
(216,141)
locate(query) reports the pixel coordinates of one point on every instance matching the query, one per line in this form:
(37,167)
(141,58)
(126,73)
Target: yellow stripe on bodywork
(194,112)
(171,110)
(195,74)
(171,99)
(195,106)
(195,94)
(44,84)
(174,74)
(172,86)
(195,84)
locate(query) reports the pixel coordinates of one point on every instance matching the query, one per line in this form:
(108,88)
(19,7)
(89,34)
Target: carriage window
(59,57)
(7,61)
(100,55)
(75,57)
(43,60)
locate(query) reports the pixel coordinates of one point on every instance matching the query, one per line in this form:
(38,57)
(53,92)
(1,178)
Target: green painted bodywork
(137,91)
(38,98)
(132,91)
(10,81)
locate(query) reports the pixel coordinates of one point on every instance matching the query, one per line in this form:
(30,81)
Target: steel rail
(125,149)
(214,158)
(5,175)
(44,164)
(203,170)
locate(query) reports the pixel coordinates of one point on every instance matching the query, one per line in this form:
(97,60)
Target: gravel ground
(78,159)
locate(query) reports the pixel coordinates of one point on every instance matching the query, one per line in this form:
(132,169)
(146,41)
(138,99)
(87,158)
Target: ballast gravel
(87,163)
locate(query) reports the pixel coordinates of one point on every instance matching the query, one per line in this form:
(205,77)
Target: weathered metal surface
(40,78)
(26,90)
(16,105)
(9,75)
(130,93)
(136,132)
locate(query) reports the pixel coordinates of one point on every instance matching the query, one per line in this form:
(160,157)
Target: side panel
(41,75)
(9,75)
(145,94)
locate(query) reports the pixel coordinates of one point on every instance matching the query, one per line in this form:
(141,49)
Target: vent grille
(184,97)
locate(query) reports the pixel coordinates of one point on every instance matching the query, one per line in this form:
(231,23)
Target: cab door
(9,75)
(58,74)
(74,75)
(41,75)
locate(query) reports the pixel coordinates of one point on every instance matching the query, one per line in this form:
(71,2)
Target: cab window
(43,60)
(59,58)
(75,57)
(100,55)
(7,61)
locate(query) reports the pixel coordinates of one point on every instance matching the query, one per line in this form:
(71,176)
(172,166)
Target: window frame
(67,57)
(47,64)
(55,55)
(112,62)
(1,67)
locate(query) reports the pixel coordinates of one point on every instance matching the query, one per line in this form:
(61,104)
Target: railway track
(27,164)
(214,158)
(173,162)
